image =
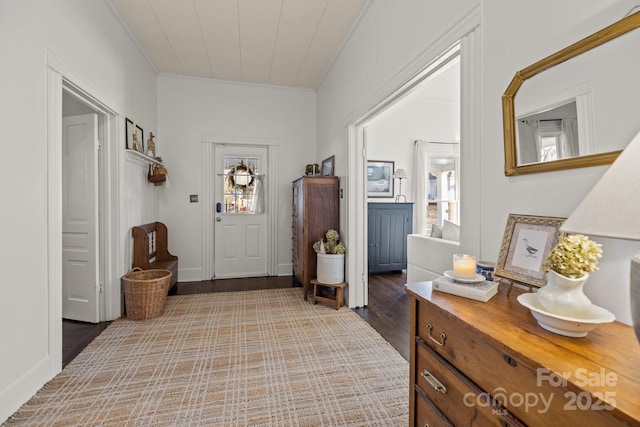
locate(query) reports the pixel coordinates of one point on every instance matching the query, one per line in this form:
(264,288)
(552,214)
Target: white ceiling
(276,42)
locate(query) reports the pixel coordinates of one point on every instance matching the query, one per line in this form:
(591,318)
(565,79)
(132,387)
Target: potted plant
(568,266)
(330,256)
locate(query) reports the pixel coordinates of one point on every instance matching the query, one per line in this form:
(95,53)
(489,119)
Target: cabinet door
(389,225)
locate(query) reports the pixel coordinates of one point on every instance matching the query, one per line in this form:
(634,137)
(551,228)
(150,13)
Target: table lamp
(400,174)
(612,209)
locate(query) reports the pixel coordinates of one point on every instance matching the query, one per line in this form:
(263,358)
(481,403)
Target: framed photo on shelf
(128,133)
(139,138)
(137,142)
(328,166)
(379,178)
(526,242)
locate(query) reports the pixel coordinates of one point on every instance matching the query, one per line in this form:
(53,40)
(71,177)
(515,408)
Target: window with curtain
(437,188)
(442,198)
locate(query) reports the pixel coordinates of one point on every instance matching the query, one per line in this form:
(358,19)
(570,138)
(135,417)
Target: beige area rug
(254,358)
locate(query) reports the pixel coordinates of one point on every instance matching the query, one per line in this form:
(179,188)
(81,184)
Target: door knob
(218,219)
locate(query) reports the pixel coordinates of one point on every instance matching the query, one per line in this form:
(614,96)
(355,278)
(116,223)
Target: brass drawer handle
(433,381)
(443,336)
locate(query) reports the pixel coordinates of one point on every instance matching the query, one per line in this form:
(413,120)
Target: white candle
(464,266)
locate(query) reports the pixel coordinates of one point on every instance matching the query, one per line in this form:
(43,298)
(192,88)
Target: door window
(240,176)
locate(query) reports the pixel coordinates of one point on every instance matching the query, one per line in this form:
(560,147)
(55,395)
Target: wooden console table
(475,363)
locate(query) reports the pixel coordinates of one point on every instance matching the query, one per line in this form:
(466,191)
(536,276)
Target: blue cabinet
(389,224)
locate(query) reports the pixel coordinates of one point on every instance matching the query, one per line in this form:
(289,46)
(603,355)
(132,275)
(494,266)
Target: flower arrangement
(573,256)
(330,244)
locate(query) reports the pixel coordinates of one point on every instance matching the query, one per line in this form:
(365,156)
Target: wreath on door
(241,176)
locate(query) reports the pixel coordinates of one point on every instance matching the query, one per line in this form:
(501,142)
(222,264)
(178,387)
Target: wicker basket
(157,174)
(145,292)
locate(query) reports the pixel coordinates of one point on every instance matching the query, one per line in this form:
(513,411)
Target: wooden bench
(150,249)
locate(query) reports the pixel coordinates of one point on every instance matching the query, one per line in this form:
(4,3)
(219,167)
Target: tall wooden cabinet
(315,210)
(389,224)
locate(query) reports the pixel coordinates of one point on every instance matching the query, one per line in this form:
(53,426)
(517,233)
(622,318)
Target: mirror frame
(511,167)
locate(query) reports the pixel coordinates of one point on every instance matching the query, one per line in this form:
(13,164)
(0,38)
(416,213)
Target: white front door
(80,274)
(240,232)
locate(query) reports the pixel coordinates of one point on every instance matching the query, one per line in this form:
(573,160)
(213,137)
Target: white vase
(330,268)
(564,296)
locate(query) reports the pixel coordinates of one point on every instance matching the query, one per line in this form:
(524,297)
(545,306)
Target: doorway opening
(66,98)
(82,166)
(428,112)
(83,202)
(464,47)
(415,111)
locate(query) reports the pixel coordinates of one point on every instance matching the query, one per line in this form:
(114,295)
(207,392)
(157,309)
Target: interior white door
(80,274)
(239,215)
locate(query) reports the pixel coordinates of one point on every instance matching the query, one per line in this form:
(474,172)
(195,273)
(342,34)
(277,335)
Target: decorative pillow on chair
(451,231)
(436,231)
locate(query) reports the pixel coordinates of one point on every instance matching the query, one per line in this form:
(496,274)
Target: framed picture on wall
(379,178)
(527,241)
(134,136)
(328,166)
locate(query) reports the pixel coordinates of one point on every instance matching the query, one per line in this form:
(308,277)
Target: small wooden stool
(339,287)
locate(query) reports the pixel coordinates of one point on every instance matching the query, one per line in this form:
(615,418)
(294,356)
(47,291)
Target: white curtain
(569,146)
(528,142)
(257,202)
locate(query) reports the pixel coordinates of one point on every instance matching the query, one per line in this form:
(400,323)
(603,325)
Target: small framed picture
(328,166)
(379,178)
(139,138)
(134,136)
(128,133)
(527,241)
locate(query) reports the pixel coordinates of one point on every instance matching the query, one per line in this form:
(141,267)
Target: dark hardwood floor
(387,312)
(388,309)
(76,336)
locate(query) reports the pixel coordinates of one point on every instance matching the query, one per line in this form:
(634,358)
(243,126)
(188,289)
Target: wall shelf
(144,157)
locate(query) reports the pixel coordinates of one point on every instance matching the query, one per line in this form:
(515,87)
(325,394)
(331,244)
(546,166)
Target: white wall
(192,110)
(553,193)
(85,38)
(391,37)
(391,135)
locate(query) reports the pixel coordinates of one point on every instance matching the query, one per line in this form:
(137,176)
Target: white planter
(564,296)
(330,268)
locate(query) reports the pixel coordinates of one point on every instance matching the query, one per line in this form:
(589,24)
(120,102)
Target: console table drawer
(496,350)
(463,348)
(453,394)
(426,414)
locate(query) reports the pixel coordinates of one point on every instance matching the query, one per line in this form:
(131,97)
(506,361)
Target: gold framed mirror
(577,87)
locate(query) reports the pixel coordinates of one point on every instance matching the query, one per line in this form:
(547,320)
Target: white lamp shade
(400,173)
(612,208)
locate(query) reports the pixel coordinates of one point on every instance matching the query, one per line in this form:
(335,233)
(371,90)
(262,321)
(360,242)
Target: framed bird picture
(527,241)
